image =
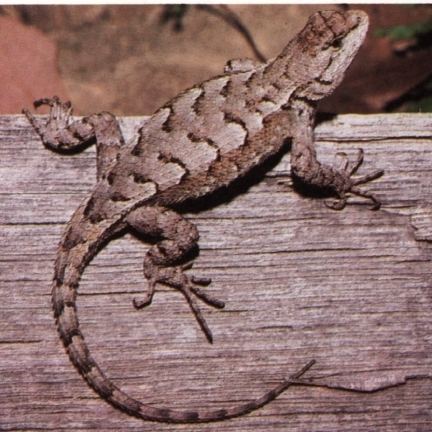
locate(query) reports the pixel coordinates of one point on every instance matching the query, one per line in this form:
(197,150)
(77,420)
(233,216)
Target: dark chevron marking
(203,140)
(251,78)
(136,150)
(140,178)
(169,158)
(193,137)
(168,126)
(118,196)
(232,118)
(196,106)
(225,90)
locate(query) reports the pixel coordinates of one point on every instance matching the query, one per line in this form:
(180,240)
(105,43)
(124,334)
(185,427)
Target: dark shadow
(309,191)
(322,117)
(72,151)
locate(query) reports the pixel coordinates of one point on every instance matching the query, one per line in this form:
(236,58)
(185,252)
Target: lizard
(199,142)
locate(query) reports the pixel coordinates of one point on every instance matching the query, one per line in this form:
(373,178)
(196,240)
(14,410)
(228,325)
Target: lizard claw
(176,278)
(347,184)
(140,303)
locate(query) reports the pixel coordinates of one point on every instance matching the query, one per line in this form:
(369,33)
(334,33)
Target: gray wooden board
(351,289)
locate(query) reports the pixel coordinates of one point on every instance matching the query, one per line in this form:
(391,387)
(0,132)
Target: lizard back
(214,132)
(201,140)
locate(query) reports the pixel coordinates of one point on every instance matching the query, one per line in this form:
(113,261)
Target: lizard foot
(55,133)
(344,183)
(187,285)
(59,115)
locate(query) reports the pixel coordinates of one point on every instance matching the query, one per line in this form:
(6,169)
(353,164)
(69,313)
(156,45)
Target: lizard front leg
(306,167)
(163,261)
(62,134)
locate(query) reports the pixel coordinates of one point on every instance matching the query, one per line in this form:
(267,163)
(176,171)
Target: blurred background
(131,59)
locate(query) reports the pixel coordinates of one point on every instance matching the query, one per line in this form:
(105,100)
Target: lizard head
(323,50)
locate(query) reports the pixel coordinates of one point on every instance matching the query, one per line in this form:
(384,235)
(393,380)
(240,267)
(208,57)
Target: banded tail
(81,242)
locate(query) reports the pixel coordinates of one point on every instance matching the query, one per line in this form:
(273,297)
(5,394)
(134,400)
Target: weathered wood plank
(351,289)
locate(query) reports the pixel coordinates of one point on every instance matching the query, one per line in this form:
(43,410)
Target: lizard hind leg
(163,262)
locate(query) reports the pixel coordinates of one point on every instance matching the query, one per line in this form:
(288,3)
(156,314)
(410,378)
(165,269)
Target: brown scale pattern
(201,140)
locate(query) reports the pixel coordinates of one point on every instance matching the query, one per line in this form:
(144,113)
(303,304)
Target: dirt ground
(124,59)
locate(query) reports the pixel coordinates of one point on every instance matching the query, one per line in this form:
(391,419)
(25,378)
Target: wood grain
(351,289)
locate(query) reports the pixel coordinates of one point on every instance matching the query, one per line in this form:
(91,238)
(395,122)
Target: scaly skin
(200,141)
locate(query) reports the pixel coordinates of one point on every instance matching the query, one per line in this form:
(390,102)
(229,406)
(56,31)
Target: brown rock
(28,66)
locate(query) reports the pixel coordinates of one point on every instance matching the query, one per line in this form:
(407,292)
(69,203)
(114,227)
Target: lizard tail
(80,243)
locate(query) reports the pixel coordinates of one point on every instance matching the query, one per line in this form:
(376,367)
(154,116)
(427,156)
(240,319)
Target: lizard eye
(337,43)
